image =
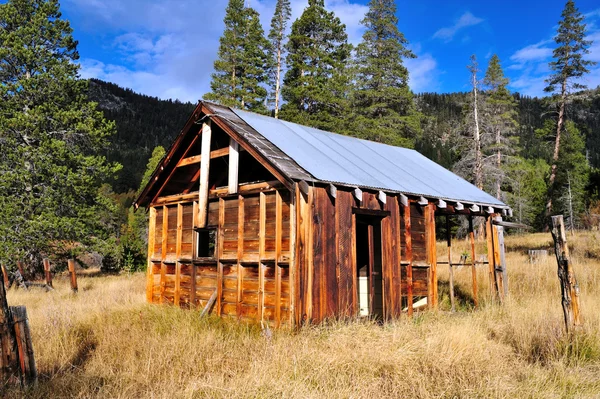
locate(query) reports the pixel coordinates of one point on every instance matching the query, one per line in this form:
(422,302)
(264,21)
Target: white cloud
(533,52)
(465,20)
(531,61)
(167,48)
(423,73)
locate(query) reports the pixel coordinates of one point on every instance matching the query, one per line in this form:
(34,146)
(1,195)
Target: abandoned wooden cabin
(258,218)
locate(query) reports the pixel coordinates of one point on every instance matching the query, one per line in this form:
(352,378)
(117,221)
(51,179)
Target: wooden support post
(163,266)
(219,253)
(5,276)
(262,223)
(150,267)
(431,255)
(499,252)
(491,258)
(240,253)
(451,278)
(278,234)
(569,288)
(409,256)
(473,263)
(178,239)
(234,160)
(204,169)
(47,272)
(71,263)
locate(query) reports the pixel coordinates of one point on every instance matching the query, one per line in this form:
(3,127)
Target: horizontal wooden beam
(403,200)
(511,224)
(381,197)
(221,152)
(219,192)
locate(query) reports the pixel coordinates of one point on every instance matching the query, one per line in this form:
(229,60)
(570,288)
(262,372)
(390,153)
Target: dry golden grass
(106,342)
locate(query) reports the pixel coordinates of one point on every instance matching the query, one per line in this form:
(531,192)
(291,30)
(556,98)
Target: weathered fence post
(568,284)
(450,270)
(5,274)
(17,360)
(71,263)
(47,272)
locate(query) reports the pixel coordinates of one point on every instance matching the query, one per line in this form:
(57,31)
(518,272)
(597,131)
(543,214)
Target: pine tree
(317,82)
(568,66)
(501,121)
(279,23)
(382,99)
(134,234)
(242,66)
(50,135)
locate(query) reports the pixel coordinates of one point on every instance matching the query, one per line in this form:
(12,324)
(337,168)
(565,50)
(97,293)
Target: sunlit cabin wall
(326,252)
(250,269)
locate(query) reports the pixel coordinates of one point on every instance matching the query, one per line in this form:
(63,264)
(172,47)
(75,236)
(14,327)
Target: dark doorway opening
(369,266)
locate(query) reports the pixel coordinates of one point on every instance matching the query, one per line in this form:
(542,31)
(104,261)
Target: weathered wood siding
(250,269)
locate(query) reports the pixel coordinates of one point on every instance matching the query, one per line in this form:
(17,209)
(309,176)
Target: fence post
(5,274)
(47,272)
(568,284)
(71,263)
(9,361)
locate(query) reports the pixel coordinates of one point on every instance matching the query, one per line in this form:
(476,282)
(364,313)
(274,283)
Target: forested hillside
(142,123)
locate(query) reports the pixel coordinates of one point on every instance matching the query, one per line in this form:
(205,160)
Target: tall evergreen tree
(568,66)
(242,66)
(134,234)
(316,83)
(382,100)
(500,121)
(470,164)
(279,23)
(50,136)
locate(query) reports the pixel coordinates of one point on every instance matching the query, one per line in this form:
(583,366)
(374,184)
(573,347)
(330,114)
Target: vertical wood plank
(234,157)
(240,253)
(310,272)
(262,223)
(278,233)
(354,267)
(293,260)
(204,171)
(177,293)
(491,257)
(345,259)
(5,274)
(71,263)
(163,266)
(432,254)
(409,258)
(502,250)
(219,255)
(394,268)
(151,241)
(371,269)
(387,243)
(473,262)
(47,273)
(450,269)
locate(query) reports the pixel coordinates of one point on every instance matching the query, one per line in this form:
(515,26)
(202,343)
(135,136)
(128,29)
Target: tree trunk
(277,83)
(477,136)
(568,284)
(559,124)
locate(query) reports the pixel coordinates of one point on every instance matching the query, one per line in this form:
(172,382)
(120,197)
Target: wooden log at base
(25,353)
(17,361)
(47,272)
(71,263)
(569,288)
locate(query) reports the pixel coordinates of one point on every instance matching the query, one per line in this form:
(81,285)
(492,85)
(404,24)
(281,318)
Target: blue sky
(166,48)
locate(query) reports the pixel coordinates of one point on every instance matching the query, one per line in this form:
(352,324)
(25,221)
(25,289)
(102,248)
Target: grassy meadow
(106,342)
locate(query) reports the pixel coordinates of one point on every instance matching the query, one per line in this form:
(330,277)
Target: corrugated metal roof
(350,161)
